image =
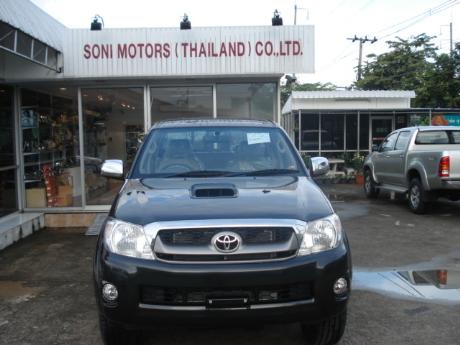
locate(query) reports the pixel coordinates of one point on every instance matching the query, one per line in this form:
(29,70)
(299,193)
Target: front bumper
(129,275)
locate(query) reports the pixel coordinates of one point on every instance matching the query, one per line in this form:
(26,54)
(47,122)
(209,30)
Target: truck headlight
(127,239)
(320,235)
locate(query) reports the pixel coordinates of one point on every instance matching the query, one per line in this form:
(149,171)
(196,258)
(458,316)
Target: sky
(336,57)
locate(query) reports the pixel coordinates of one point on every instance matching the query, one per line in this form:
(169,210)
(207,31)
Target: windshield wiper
(200,173)
(267,172)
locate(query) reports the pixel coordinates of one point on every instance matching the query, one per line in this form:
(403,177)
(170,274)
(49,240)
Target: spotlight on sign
(185,24)
(96,25)
(277,20)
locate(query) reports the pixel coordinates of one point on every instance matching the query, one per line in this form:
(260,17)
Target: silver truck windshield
(215,151)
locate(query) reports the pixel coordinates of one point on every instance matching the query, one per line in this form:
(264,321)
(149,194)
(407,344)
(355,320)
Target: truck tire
(115,335)
(328,332)
(370,186)
(417,197)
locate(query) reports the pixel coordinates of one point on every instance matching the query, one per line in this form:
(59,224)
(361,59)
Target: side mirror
(112,168)
(320,166)
(375,147)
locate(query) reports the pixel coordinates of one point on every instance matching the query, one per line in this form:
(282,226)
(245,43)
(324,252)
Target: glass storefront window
(364,131)
(332,132)
(310,132)
(8,192)
(180,102)
(252,100)
(352,131)
(24,44)
(113,127)
(49,123)
(6,36)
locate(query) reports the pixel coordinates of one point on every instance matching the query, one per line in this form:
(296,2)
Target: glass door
(8,182)
(381,127)
(113,120)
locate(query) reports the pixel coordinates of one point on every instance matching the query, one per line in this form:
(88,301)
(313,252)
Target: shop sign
(445,119)
(200,51)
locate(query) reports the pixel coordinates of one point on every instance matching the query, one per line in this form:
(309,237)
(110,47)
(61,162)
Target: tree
(287,89)
(443,81)
(415,65)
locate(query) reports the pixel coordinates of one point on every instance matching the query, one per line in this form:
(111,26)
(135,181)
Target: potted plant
(357,164)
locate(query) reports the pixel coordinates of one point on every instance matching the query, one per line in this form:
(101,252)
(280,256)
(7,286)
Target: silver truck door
(395,161)
(382,160)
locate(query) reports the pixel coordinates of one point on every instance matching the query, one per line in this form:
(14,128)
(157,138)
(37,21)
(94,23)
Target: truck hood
(171,199)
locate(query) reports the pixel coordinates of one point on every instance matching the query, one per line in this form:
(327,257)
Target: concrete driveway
(46,292)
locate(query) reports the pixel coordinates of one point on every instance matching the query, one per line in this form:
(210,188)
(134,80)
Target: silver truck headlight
(320,235)
(127,239)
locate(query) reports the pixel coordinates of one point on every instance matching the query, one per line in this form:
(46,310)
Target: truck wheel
(370,186)
(328,332)
(417,197)
(115,335)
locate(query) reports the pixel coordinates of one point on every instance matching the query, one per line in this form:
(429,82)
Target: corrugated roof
(353,94)
(31,19)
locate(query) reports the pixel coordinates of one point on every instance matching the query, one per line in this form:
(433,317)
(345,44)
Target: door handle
(386,156)
(401,156)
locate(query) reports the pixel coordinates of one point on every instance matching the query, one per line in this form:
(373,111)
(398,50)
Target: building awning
(355,99)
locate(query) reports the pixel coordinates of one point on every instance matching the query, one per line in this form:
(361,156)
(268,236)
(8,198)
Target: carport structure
(335,122)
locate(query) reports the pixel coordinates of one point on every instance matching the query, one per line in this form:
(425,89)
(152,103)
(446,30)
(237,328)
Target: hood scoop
(214,190)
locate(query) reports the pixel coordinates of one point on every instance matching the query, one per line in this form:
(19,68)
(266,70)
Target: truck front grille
(249,235)
(205,240)
(200,296)
(226,258)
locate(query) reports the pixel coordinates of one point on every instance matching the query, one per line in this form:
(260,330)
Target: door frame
(379,117)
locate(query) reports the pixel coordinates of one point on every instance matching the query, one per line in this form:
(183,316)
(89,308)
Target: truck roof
(213,123)
(433,128)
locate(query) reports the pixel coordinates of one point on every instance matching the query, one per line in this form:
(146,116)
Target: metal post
(319,133)
(214,100)
(82,148)
(358,130)
(20,192)
(300,131)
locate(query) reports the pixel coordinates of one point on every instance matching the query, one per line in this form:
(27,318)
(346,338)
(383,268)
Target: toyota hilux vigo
(219,223)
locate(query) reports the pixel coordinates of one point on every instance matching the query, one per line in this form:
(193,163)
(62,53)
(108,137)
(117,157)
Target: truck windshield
(215,151)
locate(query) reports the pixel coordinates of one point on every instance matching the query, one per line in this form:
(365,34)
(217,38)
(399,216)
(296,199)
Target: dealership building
(71,98)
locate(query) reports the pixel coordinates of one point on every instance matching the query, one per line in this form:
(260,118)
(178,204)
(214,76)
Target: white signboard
(217,51)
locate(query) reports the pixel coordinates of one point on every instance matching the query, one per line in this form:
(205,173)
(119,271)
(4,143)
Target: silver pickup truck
(421,162)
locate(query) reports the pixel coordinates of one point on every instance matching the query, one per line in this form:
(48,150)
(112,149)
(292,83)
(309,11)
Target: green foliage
(414,64)
(287,89)
(356,162)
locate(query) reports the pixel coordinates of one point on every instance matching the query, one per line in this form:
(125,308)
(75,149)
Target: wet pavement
(406,283)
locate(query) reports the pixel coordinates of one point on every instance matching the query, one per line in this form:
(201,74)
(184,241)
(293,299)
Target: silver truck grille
(195,241)
(250,235)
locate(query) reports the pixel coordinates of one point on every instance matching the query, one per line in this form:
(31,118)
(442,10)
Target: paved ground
(46,293)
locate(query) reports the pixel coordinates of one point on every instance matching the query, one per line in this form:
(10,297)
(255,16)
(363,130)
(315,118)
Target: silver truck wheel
(417,202)
(369,186)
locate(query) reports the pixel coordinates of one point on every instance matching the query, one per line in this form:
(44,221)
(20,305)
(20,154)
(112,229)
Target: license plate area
(216,302)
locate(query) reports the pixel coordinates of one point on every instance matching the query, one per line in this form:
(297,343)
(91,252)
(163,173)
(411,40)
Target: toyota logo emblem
(227,242)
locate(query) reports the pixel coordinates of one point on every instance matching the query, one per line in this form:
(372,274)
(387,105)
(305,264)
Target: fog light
(340,286)
(109,292)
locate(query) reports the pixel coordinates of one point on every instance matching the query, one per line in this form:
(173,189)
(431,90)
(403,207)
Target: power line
(416,19)
(413,18)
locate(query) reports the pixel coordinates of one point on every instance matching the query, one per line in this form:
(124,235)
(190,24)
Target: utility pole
(361,40)
(296,8)
(451,40)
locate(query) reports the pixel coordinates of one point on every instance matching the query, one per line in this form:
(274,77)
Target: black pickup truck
(220,223)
